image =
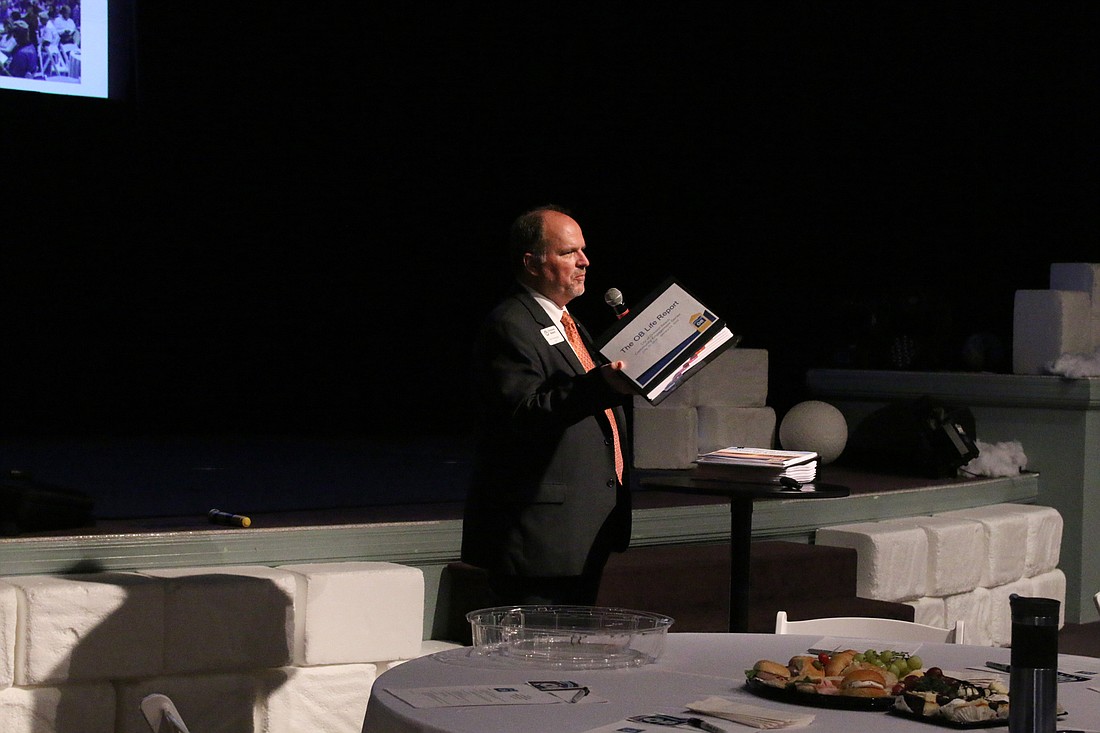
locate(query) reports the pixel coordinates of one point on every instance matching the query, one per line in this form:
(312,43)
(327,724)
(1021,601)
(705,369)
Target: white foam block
(1083,277)
(892,556)
(77,708)
(1006,538)
(953,544)
(1047,324)
(664,437)
(94,626)
(224,618)
(1052,585)
(359,611)
(1044,538)
(721,427)
(972,608)
(211,702)
(1000,612)
(1043,533)
(9,605)
(328,699)
(929,611)
(735,378)
(1080,276)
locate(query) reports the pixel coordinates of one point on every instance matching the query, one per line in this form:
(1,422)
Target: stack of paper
(764,465)
(750,715)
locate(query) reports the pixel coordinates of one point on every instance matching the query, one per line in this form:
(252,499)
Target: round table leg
(740,566)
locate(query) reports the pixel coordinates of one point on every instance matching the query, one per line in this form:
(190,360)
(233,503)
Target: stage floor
(146,485)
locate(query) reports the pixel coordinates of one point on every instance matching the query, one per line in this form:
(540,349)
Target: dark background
(288,223)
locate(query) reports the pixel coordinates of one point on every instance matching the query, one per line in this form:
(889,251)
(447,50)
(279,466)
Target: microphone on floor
(230,520)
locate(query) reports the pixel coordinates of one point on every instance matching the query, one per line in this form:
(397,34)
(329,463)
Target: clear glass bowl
(569,637)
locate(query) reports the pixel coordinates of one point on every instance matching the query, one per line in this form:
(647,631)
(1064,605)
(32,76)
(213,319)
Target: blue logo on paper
(702,321)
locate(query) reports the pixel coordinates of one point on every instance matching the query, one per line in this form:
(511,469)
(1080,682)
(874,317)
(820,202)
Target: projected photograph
(54,46)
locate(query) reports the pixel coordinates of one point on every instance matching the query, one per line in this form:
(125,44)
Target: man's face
(560,274)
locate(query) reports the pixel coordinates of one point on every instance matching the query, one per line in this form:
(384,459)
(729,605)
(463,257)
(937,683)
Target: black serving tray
(839,702)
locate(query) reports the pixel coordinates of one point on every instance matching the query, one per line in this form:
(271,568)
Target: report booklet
(664,340)
(766,465)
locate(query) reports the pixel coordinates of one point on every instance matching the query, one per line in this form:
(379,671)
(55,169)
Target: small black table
(741,496)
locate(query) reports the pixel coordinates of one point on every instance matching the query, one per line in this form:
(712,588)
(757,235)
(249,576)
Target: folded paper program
(753,716)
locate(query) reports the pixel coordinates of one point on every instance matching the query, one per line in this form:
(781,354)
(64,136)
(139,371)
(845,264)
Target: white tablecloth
(692,667)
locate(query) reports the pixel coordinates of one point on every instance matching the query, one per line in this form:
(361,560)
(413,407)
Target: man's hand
(613,375)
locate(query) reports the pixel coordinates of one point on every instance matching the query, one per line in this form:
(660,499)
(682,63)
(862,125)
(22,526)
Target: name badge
(552,335)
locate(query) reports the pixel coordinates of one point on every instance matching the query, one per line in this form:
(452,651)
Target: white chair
(1096,600)
(162,715)
(888,629)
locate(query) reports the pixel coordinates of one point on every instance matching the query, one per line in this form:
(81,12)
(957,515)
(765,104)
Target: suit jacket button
(606,441)
(611,483)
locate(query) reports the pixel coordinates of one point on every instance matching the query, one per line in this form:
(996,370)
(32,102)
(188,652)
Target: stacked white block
(735,378)
(247,649)
(219,701)
(360,611)
(722,405)
(953,544)
(227,618)
(929,611)
(664,436)
(329,699)
(988,614)
(968,565)
(1081,278)
(974,608)
(1062,320)
(721,426)
(892,557)
(1051,584)
(95,626)
(1000,614)
(9,606)
(1023,540)
(73,708)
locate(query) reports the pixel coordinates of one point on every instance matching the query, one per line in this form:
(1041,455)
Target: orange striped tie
(574,338)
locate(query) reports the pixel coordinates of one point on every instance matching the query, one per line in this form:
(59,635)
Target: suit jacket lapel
(543,320)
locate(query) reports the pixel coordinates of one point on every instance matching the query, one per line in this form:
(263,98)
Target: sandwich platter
(847,680)
(839,702)
(893,682)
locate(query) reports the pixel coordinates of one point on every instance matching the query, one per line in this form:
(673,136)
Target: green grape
(886,655)
(860,657)
(896,670)
(915,663)
(870,654)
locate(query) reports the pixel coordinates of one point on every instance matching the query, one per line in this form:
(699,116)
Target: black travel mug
(1033,678)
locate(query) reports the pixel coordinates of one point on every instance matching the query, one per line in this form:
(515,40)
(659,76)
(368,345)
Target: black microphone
(614,298)
(217,516)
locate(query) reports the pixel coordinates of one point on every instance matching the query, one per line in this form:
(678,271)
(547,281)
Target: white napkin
(750,715)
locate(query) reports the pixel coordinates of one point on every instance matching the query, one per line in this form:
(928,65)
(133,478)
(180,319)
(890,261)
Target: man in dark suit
(547,502)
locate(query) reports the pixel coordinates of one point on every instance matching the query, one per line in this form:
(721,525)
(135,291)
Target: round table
(692,667)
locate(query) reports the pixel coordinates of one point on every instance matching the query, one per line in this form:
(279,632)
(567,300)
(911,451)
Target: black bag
(27,505)
(915,437)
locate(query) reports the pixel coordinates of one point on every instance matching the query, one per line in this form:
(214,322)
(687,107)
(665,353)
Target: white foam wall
(965,564)
(227,644)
